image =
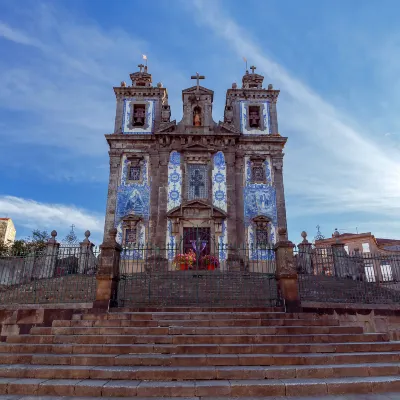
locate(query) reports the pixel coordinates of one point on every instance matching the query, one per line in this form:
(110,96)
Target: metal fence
(205,276)
(333,275)
(52,275)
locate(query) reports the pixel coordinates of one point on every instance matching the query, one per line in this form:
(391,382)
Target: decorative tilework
(219,181)
(259,200)
(137,252)
(132,198)
(265,116)
(149,125)
(174,181)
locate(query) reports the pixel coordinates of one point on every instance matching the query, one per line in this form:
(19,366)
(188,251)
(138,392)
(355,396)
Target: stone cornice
(138,91)
(252,94)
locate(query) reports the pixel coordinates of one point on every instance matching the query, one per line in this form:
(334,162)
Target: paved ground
(382,396)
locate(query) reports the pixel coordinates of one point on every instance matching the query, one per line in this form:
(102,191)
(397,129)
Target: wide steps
(201,348)
(172,373)
(199,388)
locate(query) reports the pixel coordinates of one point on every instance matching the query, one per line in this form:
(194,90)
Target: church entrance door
(199,241)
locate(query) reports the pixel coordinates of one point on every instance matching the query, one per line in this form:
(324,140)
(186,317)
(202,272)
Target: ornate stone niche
(134,173)
(138,115)
(258,170)
(262,226)
(130,230)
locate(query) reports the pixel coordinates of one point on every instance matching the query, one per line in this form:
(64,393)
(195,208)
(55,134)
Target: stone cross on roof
(141,66)
(253,68)
(198,77)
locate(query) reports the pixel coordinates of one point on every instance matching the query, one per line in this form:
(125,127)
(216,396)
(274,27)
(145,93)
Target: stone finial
(304,236)
(53,237)
(123,84)
(270,86)
(336,235)
(159,85)
(282,233)
(87,234)
(234,85)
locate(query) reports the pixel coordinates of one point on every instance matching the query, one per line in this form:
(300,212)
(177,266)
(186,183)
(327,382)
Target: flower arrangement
(210,262)
(184,261)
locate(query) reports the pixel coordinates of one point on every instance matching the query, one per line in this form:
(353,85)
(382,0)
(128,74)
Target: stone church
(171,181)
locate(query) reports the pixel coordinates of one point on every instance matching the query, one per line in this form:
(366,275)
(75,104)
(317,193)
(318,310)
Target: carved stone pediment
(167,127)
(196,209)
(131,220)
(202,91)
(225,127)
(197,147)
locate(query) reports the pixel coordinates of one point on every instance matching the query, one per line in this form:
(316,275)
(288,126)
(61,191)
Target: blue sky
(335,62)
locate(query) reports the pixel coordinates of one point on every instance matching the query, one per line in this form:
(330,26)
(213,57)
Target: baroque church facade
(172,180)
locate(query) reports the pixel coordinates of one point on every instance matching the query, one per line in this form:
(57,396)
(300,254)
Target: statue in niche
(197,116)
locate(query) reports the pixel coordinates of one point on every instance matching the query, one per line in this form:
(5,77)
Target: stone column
(273,118)
(286,274)
(277,163)
(154,189)
(87,260)
(108,273)
(115,168)
(239,196)
(231,197)
(50,257)
(162,200)
(305,256)
(340,258)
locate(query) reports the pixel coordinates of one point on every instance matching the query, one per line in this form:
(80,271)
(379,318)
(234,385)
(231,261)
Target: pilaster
(231,196)
(154,198)
(162,189)
(239,198)
(273,118)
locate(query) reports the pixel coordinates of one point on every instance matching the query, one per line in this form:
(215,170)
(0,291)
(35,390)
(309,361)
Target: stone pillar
(273,118)
(304,264)
(239,196)
(87,260)
(161,228)
(286,274)
(115,172)
(277,163)
(119,114)
(231,197)
(108,272)
(154,188)
(341,267)
(50,257)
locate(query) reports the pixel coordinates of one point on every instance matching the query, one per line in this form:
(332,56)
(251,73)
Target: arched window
(197,116)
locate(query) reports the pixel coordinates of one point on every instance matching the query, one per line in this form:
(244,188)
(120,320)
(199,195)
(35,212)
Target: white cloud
(45,216)
(333,163)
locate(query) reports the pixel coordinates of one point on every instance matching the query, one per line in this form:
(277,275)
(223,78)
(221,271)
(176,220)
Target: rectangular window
(365,247)
(254,117)
(197,182)
(134,173)
(387,274)
(130,237)
(139,114)
(262,238)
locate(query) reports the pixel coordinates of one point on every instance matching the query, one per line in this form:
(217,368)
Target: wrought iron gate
(197,271)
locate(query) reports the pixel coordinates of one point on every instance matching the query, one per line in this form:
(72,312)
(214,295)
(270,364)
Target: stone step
(178,330)
(170,373)
(195,316)
(196,323)
(194,309)
(206,388)
(194,360)
(350,347)
(198,339)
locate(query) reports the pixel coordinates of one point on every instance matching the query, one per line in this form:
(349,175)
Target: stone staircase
(198,353)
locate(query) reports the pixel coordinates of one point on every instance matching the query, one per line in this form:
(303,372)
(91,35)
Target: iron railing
(333,275)
(52,275)
(171,276)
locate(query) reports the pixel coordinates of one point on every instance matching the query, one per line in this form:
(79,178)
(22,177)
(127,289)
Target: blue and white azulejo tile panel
(244,117)
(219,181)
(257,253)
(132,198)
(174,181)
(127,127)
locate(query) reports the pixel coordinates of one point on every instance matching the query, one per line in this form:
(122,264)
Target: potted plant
(184,261)
(210,262)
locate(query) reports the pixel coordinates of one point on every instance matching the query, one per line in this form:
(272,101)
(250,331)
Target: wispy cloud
(333,163)
(31,214)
